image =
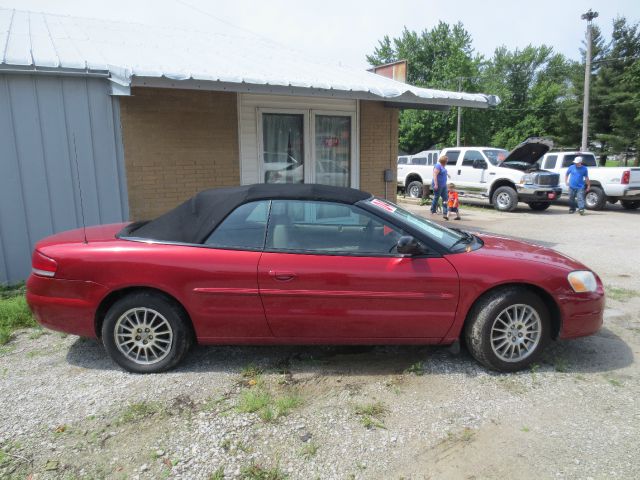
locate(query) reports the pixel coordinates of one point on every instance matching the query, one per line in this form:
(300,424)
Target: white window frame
(306,142)
(354,166)
(309,137)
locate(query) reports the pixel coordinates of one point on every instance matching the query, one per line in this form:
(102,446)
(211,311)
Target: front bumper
(535,193)
(582,313)
(67,306)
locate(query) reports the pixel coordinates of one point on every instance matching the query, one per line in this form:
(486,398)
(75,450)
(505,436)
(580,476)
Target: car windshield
(444,236)
(495,155)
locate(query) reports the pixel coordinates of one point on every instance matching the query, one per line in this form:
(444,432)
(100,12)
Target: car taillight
(626,175)
(43,265)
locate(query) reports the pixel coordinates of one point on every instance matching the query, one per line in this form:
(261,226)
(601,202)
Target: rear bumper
(631,194)
(582,313)
(67,306)
(533,193)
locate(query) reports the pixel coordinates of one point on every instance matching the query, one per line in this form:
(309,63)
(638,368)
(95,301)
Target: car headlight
(582,281)
(526,179)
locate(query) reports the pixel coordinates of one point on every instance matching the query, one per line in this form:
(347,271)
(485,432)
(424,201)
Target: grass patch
(14,312)
(620,294)
(139,410)
(371,414)
(268,407)
(257,472)
(525,429)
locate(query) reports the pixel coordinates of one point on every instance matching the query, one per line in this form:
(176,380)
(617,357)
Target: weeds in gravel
(309,450)
(615,382)
(218,474)
(525,429)
(620,294)
(371,414)
(257,472)
(135,412)
(417,369)
(465,436)
(561,364)
(14,312)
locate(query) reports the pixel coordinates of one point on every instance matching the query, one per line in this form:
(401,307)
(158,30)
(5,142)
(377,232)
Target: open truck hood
(528,152)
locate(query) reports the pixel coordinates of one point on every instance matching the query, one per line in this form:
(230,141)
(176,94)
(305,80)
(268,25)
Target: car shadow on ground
(603,352)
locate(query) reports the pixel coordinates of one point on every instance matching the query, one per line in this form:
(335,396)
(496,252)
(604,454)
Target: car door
(470,179)
(330,270)
(222,277)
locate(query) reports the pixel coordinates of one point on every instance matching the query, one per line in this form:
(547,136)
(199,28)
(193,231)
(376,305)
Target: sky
(344,32)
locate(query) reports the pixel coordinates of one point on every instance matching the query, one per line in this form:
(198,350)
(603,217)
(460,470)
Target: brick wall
(176,143)
(378,147)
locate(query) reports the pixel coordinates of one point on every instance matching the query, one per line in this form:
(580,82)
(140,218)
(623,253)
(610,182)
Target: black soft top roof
(195,219)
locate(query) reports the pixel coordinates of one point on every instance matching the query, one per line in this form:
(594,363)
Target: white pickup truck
(415,171)
(608,184)
(505,178)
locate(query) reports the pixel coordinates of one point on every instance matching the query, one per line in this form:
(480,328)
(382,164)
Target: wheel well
(497,184)
(550,303)
(596,184)
(412,177)
(113,297)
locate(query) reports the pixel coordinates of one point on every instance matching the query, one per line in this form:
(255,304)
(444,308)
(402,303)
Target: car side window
(470,156)
(328,228)
(550,162)
(243,229)
(402,160)
(452,157)
(419,161)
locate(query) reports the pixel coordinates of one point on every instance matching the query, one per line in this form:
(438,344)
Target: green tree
(436,58)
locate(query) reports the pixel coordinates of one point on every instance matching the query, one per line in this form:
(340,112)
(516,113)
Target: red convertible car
(306,264)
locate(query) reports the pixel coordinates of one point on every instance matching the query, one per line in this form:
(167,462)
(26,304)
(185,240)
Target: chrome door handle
(282,276)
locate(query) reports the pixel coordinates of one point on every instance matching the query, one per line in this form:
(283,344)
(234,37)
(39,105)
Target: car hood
(529,151)
(507,248)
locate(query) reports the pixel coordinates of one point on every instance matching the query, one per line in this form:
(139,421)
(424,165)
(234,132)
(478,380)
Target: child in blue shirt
(576,179)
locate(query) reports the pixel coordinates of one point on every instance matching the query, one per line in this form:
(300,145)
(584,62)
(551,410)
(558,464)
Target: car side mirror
(408,245)
(479,163)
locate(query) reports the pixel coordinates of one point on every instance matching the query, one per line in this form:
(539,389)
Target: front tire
(630,204)
(595,199)
(414,189)
(507,329)
(539,206)
(505,199)
(146,333)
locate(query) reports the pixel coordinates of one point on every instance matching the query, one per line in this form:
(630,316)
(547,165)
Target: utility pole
(459,114)
(589,16)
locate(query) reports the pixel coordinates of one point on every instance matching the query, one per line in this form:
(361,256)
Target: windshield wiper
(466,238)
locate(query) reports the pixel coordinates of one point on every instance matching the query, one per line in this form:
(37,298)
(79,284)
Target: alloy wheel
(515,332)
(143,335)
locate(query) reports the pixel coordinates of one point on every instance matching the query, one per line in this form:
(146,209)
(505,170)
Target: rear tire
(414,189)
(507,329)
(595,199)
(505,199)
(630,204)
(146,333)
(539,206)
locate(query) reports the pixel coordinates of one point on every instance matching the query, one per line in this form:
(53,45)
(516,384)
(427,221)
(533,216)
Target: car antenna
(84,225)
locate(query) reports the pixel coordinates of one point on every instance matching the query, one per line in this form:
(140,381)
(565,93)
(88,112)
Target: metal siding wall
(40,117)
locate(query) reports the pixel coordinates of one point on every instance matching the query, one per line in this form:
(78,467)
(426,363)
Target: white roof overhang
(167,57)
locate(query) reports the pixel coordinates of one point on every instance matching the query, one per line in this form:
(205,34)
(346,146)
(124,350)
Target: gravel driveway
(346,412)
